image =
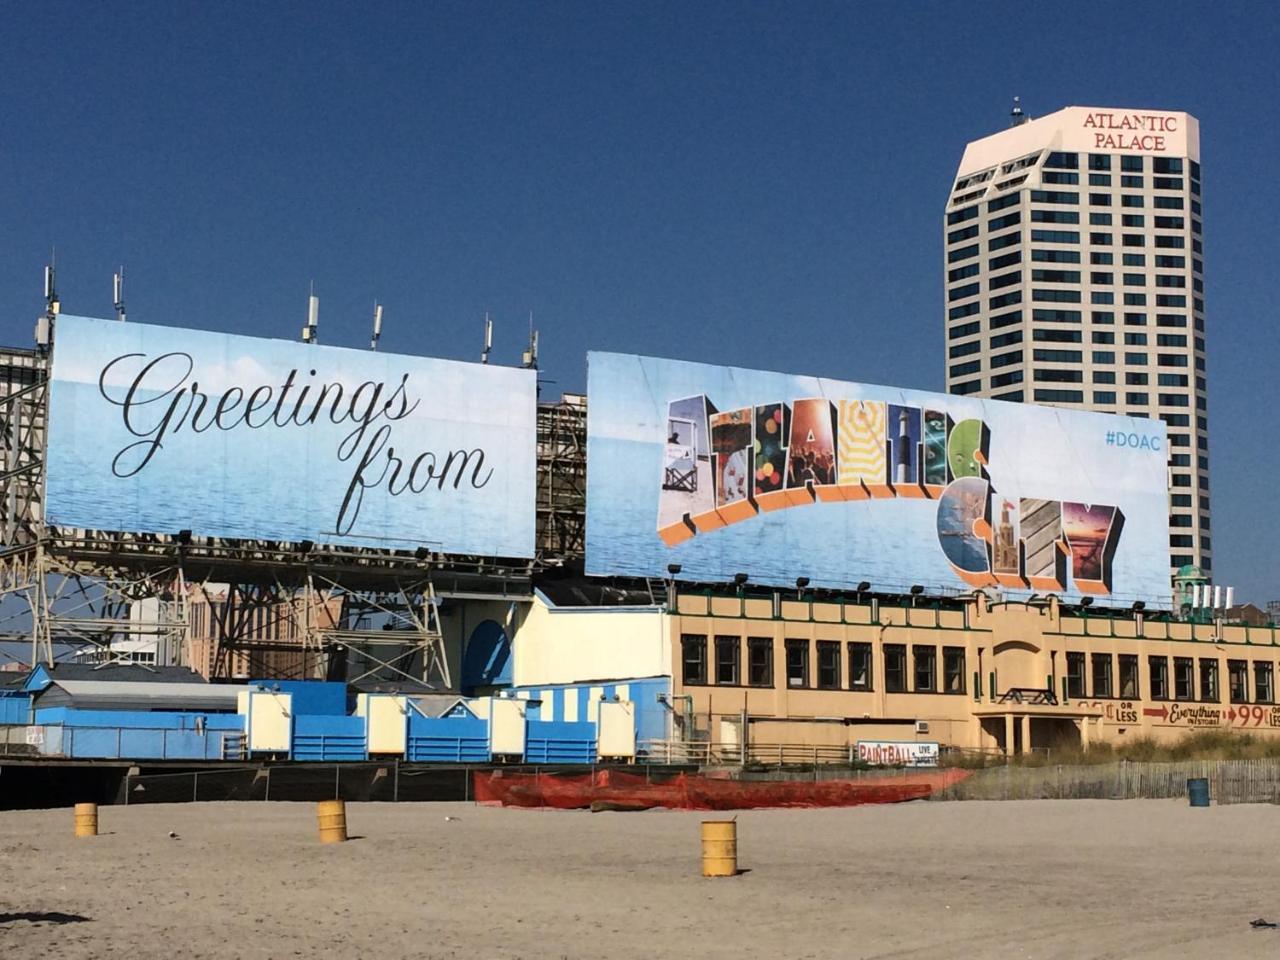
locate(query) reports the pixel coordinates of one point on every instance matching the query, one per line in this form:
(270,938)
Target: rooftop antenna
(1016,117)
(530,359)
(118,293)
(488,338)
(44,322)
(310,331)
(377,325)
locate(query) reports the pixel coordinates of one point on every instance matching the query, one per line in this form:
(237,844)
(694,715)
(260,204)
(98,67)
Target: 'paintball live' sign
(724,471)
(898,753)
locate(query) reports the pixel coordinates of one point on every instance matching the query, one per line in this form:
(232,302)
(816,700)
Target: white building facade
(1074,269)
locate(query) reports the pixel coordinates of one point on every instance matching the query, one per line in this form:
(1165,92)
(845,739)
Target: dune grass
(1195,745)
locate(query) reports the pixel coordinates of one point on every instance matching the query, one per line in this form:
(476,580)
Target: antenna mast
(488,338)
(311,330)
(377,325)
(118,293)
(530,359)
(44,322)
(1016,117)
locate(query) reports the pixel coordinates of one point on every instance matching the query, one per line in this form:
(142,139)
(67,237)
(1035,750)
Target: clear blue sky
(754,184)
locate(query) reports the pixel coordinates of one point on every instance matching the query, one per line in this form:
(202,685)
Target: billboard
(727,471)
(158,429)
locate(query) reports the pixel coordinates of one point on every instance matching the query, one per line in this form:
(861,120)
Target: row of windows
(1101,682)
(826,672)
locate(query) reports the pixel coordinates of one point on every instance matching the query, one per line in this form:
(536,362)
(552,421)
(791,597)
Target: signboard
(726,471)
(157,429)
(1108,130)
(898,753)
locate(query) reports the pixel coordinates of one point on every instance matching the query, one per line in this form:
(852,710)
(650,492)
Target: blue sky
(759,185)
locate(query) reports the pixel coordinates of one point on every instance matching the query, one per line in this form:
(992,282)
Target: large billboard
(158,429)
(726,471)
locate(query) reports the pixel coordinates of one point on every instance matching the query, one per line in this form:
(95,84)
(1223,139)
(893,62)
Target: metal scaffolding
(562,480)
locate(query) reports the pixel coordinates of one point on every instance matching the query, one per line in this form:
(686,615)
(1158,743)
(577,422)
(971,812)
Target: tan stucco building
(975,674)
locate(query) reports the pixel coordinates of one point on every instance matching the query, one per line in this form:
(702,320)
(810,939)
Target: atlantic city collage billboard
(160,429)
(726,471)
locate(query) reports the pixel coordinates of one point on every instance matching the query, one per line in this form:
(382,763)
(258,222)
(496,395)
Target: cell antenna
(118,293)
(530,359)
(377,325)
(488,338)
(44,322)
(311,331)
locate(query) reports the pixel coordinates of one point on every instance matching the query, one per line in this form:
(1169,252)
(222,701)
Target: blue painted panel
(653,719)
(38,679)
(329,738)
(124,743)
(139,719)
(315,697)
(560,742)
(15,709)
(447,739)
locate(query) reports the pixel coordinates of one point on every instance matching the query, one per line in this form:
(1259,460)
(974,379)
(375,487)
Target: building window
(1263,687)
(1075,676)
(926,669)
(798,663)
(760,661)
(1238,678)
(1101,664)
(828,665)
(1128,677)
(1183,679)
(693,653)
(1209,680)
(895,668)
(953,669)
(1159,670)
(728,657)
(860,666)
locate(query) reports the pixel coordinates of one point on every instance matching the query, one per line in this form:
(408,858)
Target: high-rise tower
(1075,277)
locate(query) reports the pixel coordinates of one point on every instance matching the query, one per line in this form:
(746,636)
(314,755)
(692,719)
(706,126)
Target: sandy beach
(1035,879)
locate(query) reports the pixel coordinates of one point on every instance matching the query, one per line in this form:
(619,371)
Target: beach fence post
(195,786)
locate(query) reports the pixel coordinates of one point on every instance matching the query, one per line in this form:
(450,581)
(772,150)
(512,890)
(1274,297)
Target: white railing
(706,753)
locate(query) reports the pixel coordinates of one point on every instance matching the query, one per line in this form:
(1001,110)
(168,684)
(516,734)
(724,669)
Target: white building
(1075,277)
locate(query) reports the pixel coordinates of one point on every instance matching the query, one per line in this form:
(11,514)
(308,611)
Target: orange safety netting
(623,790)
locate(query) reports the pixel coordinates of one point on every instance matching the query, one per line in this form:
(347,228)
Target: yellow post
(86,819)
(719,848)
(332,817)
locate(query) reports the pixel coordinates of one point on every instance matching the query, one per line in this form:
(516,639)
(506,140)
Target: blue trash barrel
(1198,792)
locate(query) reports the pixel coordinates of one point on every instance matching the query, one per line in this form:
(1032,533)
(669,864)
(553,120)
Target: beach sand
(1033,879)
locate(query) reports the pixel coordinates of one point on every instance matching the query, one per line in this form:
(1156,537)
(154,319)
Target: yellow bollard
(719,848)
(332,817)
(86,819)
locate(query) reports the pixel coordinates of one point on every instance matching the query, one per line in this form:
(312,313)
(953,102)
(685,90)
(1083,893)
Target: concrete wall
(555,645)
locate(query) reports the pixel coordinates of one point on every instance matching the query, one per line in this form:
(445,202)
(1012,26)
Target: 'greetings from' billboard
(157,429)
(726,471)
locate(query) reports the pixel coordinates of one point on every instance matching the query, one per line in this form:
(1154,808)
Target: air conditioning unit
(922,726)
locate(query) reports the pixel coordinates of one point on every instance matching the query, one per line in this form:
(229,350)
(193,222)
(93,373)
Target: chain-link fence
(388,782)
